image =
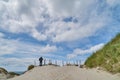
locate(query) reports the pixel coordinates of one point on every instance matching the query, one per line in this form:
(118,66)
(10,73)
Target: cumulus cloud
(68,7)
(44,19)
(78,51)
(74,31)
(22,16)
(17,47)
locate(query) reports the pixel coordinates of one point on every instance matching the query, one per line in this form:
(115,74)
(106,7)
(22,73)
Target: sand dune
(65,73)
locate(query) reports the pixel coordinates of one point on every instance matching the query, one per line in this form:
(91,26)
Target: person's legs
(40,63)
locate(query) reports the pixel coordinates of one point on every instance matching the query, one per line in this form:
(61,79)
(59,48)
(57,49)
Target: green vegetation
(3,70)
(13,73)
(31,67)
(108,58)
(7,74)
(69,64)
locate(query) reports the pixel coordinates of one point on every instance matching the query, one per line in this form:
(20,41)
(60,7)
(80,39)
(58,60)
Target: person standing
(41,60)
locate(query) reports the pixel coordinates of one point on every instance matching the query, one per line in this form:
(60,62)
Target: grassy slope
(108,58)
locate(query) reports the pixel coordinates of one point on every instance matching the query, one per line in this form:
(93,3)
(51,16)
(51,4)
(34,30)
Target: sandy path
(65,73)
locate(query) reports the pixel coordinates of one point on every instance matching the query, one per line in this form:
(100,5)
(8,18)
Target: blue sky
(55,29)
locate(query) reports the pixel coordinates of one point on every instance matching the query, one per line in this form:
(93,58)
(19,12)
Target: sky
(54,29)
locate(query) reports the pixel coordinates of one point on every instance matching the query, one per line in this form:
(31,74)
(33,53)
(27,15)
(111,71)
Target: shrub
(13,73)
(50,63)
(4,70)
(31,67)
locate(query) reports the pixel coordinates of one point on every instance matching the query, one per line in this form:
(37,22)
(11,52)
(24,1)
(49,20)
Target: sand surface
(66,73)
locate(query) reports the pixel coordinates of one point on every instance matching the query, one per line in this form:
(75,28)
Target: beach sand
(66,73)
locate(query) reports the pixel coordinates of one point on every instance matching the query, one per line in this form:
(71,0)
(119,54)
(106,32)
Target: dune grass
(108,57)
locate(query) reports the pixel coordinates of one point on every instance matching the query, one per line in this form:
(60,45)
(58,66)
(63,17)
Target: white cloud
(68,7)
(22,54)
(37,35)
(112,2)
(48,49)
(13,62)
(22,16)
(6,46)
(71,31)
(43,19)
(1,35)
(78,51)
(17,47)
(55,8)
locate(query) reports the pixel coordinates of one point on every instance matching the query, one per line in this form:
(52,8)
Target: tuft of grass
(4,70)
(31,67)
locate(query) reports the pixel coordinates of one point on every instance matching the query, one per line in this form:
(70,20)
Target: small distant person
(40,59)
